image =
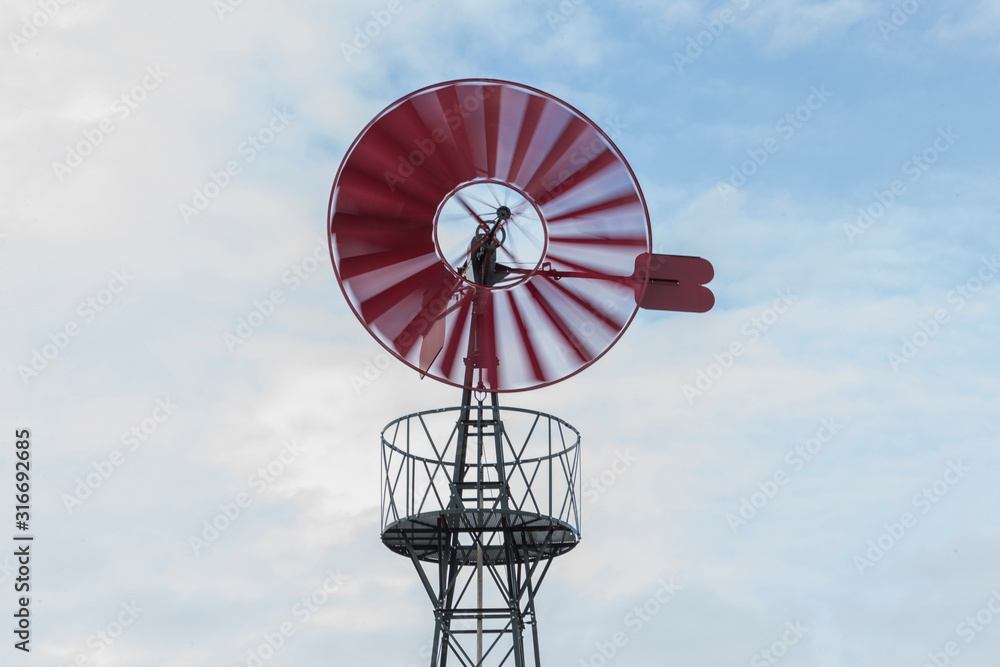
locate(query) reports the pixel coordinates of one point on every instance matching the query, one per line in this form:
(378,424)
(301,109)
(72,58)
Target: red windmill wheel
(492,237)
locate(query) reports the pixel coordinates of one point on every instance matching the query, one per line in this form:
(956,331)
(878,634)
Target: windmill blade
(431,345)
(437,294)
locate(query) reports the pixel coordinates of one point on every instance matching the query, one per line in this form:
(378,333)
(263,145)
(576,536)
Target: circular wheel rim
(580,298)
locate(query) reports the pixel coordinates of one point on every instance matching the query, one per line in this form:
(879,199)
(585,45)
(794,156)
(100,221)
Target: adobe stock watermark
(106,637)
(247,151)
(230,512)
(796,459)
(265,307)
(752,330)
(224,8)
(714,27)
(576,337)
(103,469)
(566,9)
(914,168)
(365,34)
(372,371)
(121,108)
(597,486)
(635,621)
(32,24)
(786,127)
(302,610)
(924,500)
(88,310)
(928,329)
(7,570)
(426,649)
(899,16)
(778,649)
(967,629)
(580,158)
(423,147)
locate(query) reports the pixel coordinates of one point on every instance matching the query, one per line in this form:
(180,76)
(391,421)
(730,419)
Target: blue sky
(881,360)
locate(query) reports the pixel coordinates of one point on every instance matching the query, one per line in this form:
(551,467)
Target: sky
(812,465)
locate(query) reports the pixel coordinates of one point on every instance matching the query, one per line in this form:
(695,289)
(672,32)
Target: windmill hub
(490,234)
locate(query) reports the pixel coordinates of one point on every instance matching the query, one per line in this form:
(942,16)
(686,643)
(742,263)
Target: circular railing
(513,496)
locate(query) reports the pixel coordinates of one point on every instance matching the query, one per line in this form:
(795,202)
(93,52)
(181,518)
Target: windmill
(493,238)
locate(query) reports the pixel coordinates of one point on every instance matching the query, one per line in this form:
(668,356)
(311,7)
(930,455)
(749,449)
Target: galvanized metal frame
(481,507)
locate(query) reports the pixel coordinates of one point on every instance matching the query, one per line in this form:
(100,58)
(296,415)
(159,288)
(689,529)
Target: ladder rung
(477,485)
